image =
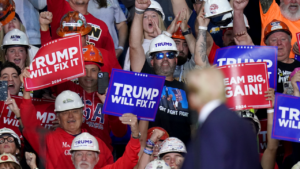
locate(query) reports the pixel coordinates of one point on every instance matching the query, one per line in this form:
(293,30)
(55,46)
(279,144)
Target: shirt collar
(207,109)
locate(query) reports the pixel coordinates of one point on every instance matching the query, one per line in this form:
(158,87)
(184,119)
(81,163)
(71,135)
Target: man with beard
(164,60)
(288,12)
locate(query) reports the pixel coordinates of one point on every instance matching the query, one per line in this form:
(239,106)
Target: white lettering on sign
(289,117)
(125,93)
(60,60)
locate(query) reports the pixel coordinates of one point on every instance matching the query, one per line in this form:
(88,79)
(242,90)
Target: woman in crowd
(109,11)
(153,24)
(10,142)
(8,161)
(16,48)
(16,23)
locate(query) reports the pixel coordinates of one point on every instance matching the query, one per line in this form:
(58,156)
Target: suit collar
(207,109)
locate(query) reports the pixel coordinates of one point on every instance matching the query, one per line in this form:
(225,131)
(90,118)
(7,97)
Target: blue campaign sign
(286,122)
(136,93)
(246,54)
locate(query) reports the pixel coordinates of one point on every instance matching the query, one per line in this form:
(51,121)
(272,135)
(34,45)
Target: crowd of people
(177,39)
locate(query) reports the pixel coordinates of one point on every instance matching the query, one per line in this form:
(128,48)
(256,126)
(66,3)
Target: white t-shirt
(146,45)
(110,15)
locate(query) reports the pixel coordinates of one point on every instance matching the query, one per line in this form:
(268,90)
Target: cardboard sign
(286,123)
(248,54)
(56,62)
(44,112)
(136,93)
(245,85)
(262,136)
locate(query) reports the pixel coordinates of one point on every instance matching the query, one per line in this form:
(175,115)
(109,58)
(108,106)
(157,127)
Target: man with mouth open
(288,12)
(10,72)
(164,53)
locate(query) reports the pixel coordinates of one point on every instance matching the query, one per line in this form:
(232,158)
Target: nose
(84,157)
(279,42)
(293,1)
(179,47)
(10,78)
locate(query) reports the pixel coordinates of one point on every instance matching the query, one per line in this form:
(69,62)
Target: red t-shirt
(56,144)
(95,122)
(99,36)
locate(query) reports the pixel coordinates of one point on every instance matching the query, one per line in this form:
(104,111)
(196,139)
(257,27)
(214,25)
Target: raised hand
(201,17)
(296,48)
(243,38)
(240,4)
(184,18)
(156,135)
(142,4)
(45,18)
(31,160)
(156,30)
(294,80)
(174,25)
(131,119)
(270,95)
(12,105)
(102,97)
(25,74)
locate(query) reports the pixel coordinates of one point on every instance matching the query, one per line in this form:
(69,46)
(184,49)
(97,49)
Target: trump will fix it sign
(245,85)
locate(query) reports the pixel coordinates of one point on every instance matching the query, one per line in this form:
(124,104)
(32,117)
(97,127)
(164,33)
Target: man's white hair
(287,14)
(82,162)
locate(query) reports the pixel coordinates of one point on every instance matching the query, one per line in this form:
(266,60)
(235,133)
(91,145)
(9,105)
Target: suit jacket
(223,141)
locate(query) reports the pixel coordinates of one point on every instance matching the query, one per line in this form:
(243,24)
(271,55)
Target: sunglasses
(9,139)
(160,55)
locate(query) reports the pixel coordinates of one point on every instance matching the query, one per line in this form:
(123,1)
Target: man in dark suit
(223,140)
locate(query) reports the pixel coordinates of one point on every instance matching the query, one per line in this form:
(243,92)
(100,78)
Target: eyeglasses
(10,139)
(198,1)
(160,55)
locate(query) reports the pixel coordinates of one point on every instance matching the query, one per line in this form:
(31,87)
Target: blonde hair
(3,51)
(208,84)
(161,25)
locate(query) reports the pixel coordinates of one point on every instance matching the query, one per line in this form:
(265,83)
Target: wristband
(150,142)
(18,118)
(167,33)
(149,152)
(270,111)
(121,47)
(139,11)
(150,147)
(202,28)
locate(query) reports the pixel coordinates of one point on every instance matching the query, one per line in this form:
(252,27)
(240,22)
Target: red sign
(56,62)
(245,85)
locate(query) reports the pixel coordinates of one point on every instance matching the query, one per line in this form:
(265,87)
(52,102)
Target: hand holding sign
(245,84)
(56,62)
(295,80)
(131,119)
(133,92)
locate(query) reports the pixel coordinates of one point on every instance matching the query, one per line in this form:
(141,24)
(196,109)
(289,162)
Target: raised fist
(142,4)
(45,18)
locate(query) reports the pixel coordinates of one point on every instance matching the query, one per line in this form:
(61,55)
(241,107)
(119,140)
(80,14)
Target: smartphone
(103,81)
(3,90)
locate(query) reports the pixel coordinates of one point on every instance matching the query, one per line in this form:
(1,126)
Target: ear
(17,151)
(152,62)
(176,60)
(58,117)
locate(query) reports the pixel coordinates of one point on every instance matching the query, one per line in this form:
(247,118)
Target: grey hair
(267,40)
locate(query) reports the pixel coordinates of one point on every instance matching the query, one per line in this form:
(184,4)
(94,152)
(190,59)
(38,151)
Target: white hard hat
(155,5)
(172,144)
(162,43)
(67,100)
(230,25)
(15,37)
(296,166)
(11,132)
(8,158)
(214,8)
(158,164)
(85,141)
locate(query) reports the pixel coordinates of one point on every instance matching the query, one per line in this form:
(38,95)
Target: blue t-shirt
(214,30)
